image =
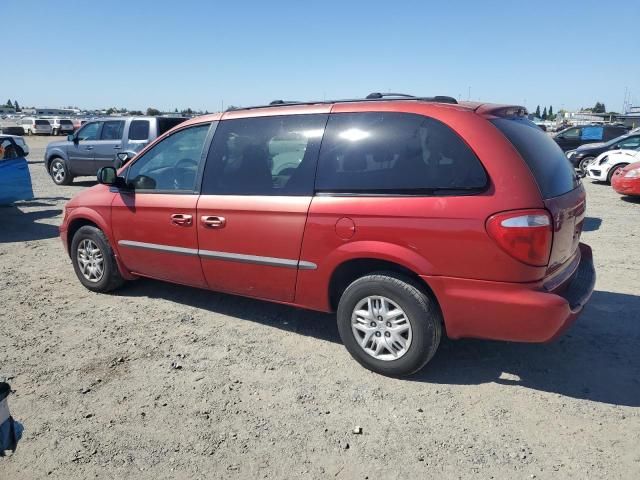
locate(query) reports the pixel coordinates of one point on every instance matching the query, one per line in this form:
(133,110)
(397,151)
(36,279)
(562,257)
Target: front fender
(54,152)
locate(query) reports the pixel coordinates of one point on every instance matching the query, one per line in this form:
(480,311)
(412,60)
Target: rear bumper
(514,311)
(626,186)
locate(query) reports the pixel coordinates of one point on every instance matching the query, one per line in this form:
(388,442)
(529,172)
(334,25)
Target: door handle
(117,147)
(88,148)
(181,219)
(213,222)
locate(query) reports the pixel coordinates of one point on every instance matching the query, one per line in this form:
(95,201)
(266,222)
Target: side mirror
(122,159)
(107,176)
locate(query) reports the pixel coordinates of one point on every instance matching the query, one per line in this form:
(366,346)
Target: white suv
(35,126)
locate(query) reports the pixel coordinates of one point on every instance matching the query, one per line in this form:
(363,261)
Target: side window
(394,153)
(139,130)
(572,133)
(171,164)
(112,130)
(90,131)
(264,156)
(630,143)
(592,133)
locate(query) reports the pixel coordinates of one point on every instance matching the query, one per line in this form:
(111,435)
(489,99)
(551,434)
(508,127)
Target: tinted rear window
(395,153)
(139,130)
(66,122)
(553,172)
(167,123)
(42,122)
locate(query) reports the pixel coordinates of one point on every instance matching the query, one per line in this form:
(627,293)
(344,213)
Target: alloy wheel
(57,171)
(381,328)
(90,260)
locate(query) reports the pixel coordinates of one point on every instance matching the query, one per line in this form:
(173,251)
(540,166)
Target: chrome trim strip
(159,248)
(232,257)
(239,257)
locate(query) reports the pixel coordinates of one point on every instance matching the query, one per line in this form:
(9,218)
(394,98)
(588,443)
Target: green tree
(9,104)
(544,113)
(16,106)
(538,111)
(551,115)
(136,112)
(599,108)
(153,112)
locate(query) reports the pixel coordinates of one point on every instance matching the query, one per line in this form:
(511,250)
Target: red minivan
(410,217)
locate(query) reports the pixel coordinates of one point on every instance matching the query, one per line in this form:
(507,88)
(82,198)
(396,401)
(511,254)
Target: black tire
(420,308)
(582,166)
(66,178)
(614,169)
(111,278)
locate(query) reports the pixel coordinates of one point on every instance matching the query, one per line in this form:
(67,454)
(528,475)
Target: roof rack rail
(370,98)
(377,95)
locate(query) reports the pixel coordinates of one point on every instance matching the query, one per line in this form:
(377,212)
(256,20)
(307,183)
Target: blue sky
(198,54)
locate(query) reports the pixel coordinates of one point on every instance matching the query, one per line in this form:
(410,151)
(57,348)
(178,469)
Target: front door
(109,144)
(256,192)
(80,152)
(154,222)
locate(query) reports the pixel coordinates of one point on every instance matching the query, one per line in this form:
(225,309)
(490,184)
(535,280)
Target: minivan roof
(282,107)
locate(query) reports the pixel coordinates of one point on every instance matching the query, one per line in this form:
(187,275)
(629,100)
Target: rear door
(562,193)
(154,221)
(256,192)
(80,152)
(569,139)
(108,145)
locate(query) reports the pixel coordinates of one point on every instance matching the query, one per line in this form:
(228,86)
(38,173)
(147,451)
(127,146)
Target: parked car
(408,217)
(19,141)
(35,126)
(97,143)
(573,137)
(582,157)
(626,181)
(15,180)
(61,126)
(607,164)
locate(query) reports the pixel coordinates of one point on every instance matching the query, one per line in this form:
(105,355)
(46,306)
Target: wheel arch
(350,270)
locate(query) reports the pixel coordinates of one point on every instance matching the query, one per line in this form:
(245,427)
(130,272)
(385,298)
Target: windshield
(42,122)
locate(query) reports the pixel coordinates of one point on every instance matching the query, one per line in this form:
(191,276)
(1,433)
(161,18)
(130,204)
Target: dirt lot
(266,391)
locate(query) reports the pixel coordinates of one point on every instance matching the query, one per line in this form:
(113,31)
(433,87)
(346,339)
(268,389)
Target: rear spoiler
(495,110)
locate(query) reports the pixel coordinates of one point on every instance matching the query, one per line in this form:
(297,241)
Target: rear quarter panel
(432,236)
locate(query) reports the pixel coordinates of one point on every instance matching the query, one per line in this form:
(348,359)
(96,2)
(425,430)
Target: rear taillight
(526,235)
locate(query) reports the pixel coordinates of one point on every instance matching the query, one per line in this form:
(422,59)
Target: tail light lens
(526,235)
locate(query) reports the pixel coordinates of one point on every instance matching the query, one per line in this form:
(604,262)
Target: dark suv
(409,217)
(584,155)
(573,137)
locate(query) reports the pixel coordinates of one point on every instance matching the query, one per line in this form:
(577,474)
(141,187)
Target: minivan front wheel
(93,260)
(389,324)
(59,172)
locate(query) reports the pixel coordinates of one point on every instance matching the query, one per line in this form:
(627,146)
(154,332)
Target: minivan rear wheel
(389,324)
(59,172)
(93,260)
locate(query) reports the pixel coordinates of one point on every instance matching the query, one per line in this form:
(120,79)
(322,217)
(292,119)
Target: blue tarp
(15,181)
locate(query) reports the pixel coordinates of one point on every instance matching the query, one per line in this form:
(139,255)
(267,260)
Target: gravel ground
(162,381)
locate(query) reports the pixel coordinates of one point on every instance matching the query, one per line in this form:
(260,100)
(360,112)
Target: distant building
(56,111)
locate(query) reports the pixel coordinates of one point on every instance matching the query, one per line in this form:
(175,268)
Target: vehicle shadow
(591,224)
(83,183)
(595,360)
(304,322)
(19,226)
(630,199)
